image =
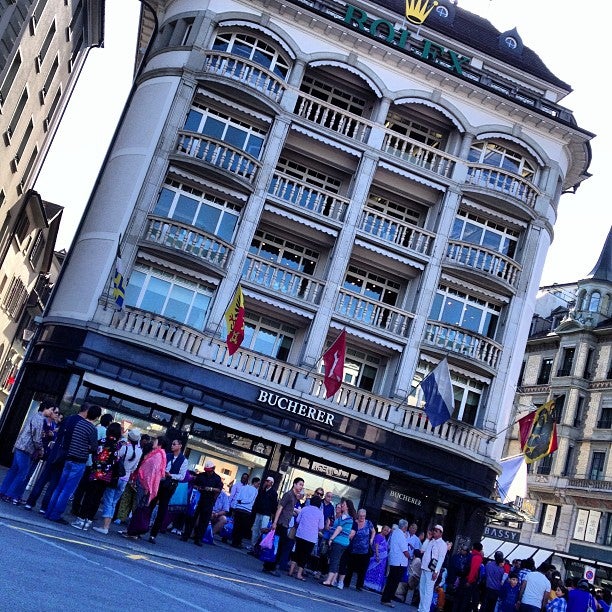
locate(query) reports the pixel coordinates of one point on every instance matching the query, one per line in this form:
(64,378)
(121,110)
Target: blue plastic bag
(228,528)
(194,498)
(208,536)
(269,554)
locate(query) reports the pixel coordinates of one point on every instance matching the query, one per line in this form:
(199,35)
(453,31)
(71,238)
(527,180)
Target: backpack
(482,576)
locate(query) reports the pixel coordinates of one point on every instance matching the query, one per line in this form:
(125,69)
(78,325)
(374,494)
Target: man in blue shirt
(398,562)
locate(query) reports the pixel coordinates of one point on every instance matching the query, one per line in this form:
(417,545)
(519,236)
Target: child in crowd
(508,595)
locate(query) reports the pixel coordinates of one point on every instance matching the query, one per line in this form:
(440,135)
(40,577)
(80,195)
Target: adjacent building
(350,166)
(569,358)
(43,45)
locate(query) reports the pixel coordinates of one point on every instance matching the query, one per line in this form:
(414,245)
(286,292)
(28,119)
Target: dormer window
(511,42)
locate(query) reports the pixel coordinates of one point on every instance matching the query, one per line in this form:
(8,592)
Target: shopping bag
(194,498)
(268,540)
(208,536)
(180,497)
(227,529)
(269,554)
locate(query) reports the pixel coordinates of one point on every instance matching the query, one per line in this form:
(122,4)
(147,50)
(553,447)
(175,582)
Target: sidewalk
(220,557)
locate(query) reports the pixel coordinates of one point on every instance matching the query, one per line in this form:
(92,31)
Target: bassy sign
(300,409)
(502,534)
(383,29)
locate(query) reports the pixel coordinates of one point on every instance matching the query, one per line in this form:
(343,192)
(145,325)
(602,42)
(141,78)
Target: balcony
(396,232)
(281,279)
(217,153)
(463,342)
(590,485)
(332,118)
(187,239)
(503,182)
(488,262)
(418,154)
(320,202)
(371,313)
(170,336)
(245,72)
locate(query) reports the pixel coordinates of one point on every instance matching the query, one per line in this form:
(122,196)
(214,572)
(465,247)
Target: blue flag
(438,393)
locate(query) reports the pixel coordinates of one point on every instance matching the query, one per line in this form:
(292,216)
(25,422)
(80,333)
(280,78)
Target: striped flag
(438,393)
(118,281)
(538,432)
(234,321)
(333,359)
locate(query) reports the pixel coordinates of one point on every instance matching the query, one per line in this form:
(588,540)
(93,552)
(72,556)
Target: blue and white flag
(438,393)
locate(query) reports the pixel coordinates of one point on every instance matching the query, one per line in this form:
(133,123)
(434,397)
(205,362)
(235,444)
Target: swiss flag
(333,359)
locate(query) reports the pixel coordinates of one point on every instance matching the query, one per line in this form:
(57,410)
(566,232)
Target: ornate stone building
(350,168)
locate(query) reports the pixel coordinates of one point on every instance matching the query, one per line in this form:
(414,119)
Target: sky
(572,42)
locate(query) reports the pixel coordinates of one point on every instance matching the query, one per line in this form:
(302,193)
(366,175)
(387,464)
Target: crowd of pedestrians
(145,483)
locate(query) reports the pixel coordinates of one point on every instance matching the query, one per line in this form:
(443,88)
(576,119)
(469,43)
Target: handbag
(291,532)
(432,565)
(180,497)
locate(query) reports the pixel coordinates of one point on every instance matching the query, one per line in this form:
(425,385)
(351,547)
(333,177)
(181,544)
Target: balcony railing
(373,314)
(502,181)
(318,201)
(400,233)
(246,72)
(218,153)
(418,154)
(188,239)
(146,327)
(330,117)
(284,280)
(600,485)
(463,342)
(484,260)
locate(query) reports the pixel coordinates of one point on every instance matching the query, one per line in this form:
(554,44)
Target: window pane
(472,318)
(213,127)
(227,226)
(254,145)
(197,315)
(155,295)
(164,202)
(491,240)
(472,233)
(194,118)
(451,311)
(185,209)
(208,217)
(178,303)
(265,342)
(134,287)
(235,137)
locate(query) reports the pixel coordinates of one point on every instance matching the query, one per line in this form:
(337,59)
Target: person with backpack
(129,455)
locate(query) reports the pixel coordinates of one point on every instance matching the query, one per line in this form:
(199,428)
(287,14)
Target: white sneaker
(103,530)
(78,524)
(340,585)
(87,525)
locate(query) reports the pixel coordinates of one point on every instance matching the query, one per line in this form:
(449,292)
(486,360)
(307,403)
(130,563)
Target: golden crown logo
(417,11)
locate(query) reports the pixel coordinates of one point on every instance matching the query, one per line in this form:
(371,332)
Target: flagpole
(221,319)
(314,365)
(111,286)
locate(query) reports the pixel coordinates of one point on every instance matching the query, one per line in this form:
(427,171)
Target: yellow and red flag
(234,320)
(333,359)
(538,432)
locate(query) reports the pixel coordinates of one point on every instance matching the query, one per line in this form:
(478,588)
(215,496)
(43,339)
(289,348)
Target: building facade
(43,45)
(350,169)
(569,359)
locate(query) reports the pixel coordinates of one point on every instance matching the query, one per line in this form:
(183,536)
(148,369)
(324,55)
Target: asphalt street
(45,566)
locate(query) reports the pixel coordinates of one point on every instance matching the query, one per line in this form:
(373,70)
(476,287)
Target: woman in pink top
(148,476)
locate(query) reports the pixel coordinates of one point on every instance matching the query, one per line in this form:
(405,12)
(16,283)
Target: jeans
(111,497)
(68,482)
(49,476)
(261,522)
(16,478)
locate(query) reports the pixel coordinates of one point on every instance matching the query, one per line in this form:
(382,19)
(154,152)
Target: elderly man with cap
(263,509)
(129,454)
(431,566)
(209,484)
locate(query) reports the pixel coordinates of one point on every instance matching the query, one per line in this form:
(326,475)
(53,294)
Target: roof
(482,35)
(603,267)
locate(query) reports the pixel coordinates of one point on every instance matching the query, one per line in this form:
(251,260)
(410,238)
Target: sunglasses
(319,492)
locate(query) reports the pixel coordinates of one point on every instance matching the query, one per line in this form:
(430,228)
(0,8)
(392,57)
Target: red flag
(538,432)
(333,358)
(234,320)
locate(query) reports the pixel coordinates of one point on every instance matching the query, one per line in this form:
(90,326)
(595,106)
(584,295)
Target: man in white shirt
(243,517)
(414,542)
(431,566)
(398,561)
(235,490)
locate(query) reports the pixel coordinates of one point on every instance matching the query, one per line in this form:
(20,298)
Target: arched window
(594,301)
(499,156)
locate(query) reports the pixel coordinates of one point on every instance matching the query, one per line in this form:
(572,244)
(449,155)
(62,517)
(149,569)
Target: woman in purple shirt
(309,524)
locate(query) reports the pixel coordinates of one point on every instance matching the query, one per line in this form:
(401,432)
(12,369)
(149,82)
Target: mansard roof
(481,34)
